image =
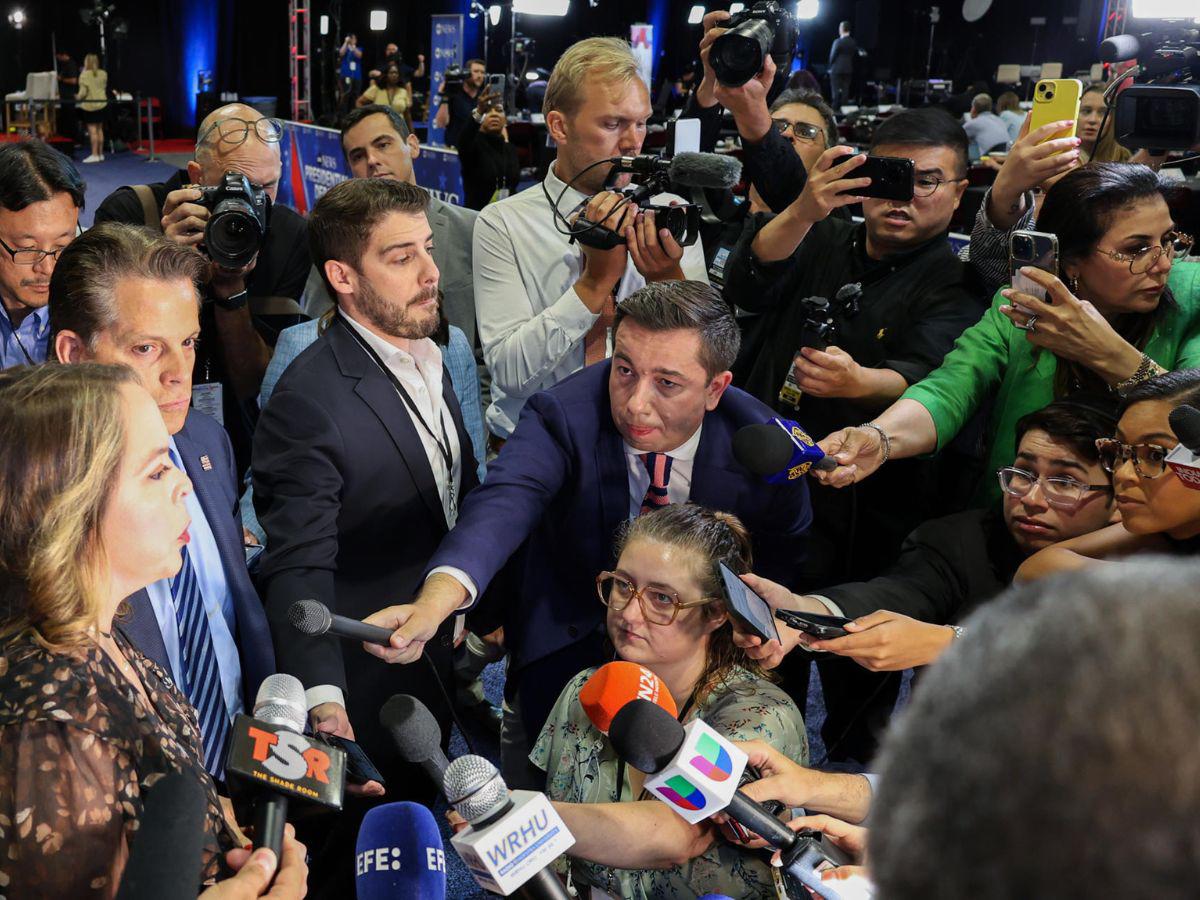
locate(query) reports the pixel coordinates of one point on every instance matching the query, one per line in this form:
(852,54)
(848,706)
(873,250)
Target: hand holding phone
(1038,249)
(891,178)
(814,625)
(751,611)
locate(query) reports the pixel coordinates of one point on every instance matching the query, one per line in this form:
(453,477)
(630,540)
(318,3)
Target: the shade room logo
(682,793)
(713,760)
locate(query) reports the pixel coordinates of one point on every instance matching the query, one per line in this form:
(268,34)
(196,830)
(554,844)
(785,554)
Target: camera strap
(443,443)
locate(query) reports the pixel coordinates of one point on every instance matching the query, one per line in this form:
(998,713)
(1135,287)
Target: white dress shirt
(531,321)
(679,483)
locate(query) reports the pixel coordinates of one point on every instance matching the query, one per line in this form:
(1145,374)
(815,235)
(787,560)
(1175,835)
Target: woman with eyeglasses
(1123,310)
(665,612)
(1158,511)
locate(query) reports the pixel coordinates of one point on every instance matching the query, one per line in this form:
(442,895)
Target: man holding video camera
(458,99)
(235,345)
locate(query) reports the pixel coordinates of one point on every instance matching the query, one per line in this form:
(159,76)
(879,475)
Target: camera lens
(738,55)
(1023,247)
(1049,95)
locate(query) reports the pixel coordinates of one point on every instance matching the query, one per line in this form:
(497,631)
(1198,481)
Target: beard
(399,319)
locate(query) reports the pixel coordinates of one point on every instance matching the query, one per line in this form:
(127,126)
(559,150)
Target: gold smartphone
(1054,100)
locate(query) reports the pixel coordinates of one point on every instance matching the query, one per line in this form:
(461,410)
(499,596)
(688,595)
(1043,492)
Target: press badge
(716,271)
(209,399)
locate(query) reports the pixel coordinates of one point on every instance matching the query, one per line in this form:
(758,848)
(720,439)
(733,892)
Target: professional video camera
(739,54)
(237,224)
(1161,109)
(454,78)
(819,330)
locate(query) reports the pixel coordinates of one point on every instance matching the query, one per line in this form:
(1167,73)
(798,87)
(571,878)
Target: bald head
(255,158)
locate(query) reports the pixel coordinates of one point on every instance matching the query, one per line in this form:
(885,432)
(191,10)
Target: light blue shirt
(218,604)
(29,342)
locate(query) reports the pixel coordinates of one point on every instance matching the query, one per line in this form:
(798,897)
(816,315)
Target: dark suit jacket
(558,491)
(841,56)
(216,488)
(348,500)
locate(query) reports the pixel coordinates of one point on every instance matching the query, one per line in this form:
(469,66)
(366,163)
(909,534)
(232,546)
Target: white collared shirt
(679,483)
(532,324)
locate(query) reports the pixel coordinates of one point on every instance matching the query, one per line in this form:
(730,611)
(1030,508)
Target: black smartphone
(751,610)
(359,768)
(891,177)
(812,624)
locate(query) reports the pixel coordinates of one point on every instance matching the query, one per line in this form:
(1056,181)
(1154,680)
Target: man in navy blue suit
(122,294)
(652,426)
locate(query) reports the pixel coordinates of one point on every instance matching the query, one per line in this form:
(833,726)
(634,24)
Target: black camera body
(237,223)
(682,219)
(819,330)
(739,54)
(1161,109)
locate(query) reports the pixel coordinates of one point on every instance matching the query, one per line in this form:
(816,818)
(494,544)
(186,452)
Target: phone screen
(750,609)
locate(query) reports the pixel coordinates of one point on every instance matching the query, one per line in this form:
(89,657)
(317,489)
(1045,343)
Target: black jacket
(488,163)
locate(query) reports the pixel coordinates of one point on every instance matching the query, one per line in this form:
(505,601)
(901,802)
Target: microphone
(271,761)
(165,857)
(1119,48)
(314,619)
(399,853)
(779,451)
(615,684)
(702,170)
(416,734)
(1184,460)
(511,839)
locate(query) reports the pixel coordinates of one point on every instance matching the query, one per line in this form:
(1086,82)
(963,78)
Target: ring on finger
(1030,324)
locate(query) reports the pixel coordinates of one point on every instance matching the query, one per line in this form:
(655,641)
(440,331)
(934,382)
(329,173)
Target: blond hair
(65,433)
(91,62)
(609,59)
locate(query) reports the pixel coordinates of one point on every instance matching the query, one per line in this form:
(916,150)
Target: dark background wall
(245,44)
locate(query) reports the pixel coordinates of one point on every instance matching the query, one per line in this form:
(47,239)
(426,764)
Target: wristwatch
(233,302)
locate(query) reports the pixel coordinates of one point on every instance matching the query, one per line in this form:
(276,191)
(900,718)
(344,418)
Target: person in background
(986,130)
(68,84)
(350,71)
(390,93)
(41,195)
(841,66)
(1008,108)
(1094,146)
(92,100)
(490,166)
(457,105)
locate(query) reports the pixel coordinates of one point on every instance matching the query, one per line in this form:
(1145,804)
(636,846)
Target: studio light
(324,25)
(735,8)
(379,20)
(494,14)
(1165,9)
(808,9)
(531,76)
(16,18)
(696,15)
(541,7)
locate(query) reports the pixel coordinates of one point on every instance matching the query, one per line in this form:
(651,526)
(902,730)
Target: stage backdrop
(313,163)
(447,50)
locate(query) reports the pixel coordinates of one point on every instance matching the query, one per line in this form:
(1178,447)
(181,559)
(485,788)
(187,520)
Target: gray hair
(981,103)
(813,100)
(1052,750)
(695,305)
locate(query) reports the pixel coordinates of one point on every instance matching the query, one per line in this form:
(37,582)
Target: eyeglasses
(1149,460)
(927,185)
(30,256)
(658,607)
(235,131)
(1174,244)
(1060,491)
(802,130)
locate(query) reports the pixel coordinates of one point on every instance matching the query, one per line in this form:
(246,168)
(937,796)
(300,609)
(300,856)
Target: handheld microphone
(416,734)
(399,853)
(165,857)
(1184,460)
(615,684)
(511,839)
(314,618)
(271,761)
(779,451)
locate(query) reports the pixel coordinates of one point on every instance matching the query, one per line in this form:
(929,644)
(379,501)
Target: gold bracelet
(1146,370)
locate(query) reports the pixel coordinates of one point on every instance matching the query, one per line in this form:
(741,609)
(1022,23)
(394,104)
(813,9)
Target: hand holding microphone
(779,451)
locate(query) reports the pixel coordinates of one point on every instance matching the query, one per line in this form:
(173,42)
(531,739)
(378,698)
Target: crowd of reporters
(491,440)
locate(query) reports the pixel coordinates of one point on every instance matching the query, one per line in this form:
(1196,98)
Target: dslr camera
(237,222)
(739,54)
(1161,109)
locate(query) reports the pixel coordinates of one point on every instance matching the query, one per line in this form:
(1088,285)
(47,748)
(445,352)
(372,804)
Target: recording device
(359,768)
(1161,109)
(454,76)
(1055,100)
(1031,248)
(818,626)
(165,858)
(417,734)
(271,762)
(740,53)
(511,839)
(702,170)
(752,612)
(891,177)
(819,330)
(237,221)
(314,619)
(779,451)
(615,684)
(399,853)
(497,84)
(1184,460)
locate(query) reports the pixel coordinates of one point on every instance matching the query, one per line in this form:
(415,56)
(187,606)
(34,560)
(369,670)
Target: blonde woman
(91,510)
(92,100)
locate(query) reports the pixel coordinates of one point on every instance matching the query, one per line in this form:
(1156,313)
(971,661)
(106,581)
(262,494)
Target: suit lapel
(716,482)
(442,240)
(614,479)
(141,627)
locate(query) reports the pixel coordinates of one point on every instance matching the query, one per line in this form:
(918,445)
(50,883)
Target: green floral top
(581,767)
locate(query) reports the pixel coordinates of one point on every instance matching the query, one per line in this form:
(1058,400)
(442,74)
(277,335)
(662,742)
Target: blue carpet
(117,170)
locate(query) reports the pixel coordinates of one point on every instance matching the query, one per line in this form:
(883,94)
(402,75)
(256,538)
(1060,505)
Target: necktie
(659,467)
(202,678)
(595,342)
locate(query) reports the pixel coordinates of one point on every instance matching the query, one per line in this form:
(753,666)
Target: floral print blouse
(78,746)
(581,767)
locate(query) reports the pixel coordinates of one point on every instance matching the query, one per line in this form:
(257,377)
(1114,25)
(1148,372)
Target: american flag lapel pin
(206,463)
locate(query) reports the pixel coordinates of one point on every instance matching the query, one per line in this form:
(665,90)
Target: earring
(1073,284)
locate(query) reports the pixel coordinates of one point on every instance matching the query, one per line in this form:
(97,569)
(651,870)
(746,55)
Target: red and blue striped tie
(659,467)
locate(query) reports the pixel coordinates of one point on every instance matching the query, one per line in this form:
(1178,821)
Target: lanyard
(16,336)
(443,443)
(621,763)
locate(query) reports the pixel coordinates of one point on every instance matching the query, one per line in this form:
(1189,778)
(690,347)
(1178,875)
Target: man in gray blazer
(378,144)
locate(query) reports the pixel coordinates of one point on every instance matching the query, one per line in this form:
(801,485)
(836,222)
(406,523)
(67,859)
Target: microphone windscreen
(416,732)
(1185,422)
(1119,48)
(167,850)
(705,170)
(399,853)
(763,449)
(646,736)
(310,616)
(280,701)
(615,684)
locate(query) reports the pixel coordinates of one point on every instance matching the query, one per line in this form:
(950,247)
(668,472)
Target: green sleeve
(953,391)
(1185,285)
